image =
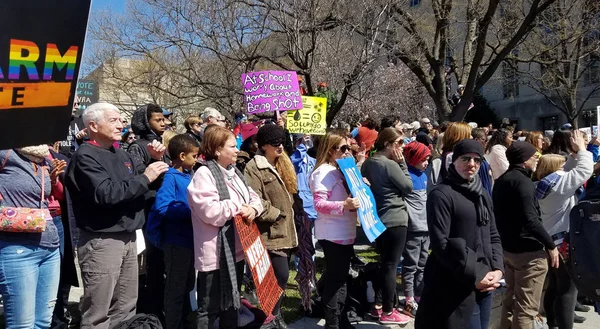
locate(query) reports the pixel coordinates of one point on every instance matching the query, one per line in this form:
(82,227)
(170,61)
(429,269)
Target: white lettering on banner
(353,178)
(366,207)
(259,259)
(263,266)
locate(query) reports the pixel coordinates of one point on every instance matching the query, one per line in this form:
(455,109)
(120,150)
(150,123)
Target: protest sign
(597,121)
(309,120)
(249,129)
(271,91)
(367,213)
(40,53)
(257,258)
(587,130)
(86,94)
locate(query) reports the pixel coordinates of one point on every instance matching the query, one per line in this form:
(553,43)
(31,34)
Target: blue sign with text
(367,212)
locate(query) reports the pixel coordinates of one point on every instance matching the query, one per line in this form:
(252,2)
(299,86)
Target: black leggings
(281,267)
(390,245)
(337,264)
(561,297)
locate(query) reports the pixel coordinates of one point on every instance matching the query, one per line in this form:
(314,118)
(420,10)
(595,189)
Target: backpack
(140,321)
(357,304)
(584,247)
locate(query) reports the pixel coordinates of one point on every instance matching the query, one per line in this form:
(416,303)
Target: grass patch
(292,302)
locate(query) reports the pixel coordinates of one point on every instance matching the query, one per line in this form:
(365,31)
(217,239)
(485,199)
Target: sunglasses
(276,143)
(343,148)
(466,158)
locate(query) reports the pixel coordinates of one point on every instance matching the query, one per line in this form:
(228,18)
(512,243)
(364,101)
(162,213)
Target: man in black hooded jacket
(148,123)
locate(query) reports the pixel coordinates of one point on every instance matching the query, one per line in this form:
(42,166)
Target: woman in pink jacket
(217,193)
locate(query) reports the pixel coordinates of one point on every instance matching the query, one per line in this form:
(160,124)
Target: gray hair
(95,112)
(211,112)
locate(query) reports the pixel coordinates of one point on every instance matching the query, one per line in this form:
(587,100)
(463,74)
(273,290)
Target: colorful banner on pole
(40,53)
(257,258)
(311,119)
(268,91)
(367,213)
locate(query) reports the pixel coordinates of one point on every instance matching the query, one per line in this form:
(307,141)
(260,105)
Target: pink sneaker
(375,312)
(394,318)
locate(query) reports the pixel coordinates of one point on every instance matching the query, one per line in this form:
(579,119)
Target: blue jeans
(29,277)
(482,310)
(61,234)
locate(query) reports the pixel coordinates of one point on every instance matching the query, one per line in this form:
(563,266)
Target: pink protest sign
(268,91)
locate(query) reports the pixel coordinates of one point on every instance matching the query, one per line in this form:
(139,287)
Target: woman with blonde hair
(217,193)
(438,169)
(555,192)
(166,138)
(536,138)
(335,226)
(271,174)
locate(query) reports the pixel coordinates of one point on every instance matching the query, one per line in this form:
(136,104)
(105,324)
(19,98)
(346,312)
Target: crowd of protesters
(466,211)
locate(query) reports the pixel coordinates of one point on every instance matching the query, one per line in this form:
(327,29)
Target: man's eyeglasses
(466,158)
(343,148)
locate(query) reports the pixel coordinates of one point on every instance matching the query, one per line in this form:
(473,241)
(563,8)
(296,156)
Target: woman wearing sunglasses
(390,183)
(271,174)
(335,227)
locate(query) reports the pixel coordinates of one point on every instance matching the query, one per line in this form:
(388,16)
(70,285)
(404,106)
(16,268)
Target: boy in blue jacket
(417,239)
(169,227)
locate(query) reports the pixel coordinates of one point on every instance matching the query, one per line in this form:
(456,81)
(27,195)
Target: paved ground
(592,322)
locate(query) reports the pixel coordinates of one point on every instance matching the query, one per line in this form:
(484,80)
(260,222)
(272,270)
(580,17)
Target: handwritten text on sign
(311,119)
(271,91)
(267,290)
(367,213)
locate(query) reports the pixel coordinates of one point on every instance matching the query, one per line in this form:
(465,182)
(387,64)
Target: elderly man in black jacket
(523,238)
(465,264)
(108,189)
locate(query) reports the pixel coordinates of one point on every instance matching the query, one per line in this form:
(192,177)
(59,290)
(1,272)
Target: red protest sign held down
(267,289)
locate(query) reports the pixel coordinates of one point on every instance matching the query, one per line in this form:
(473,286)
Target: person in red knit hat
(417,236)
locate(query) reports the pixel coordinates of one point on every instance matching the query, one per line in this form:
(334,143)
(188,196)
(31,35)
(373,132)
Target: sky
(117,6)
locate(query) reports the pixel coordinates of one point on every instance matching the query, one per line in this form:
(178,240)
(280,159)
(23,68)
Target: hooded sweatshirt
(556,193)
(416,201)
(139,148)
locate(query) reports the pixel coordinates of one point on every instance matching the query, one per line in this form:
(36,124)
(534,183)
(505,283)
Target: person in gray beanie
(526,243)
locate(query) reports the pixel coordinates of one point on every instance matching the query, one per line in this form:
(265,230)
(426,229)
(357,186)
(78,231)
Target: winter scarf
(35,154)
(230,297)
(474,191)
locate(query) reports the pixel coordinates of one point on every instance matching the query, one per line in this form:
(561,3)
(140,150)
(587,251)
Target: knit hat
(415,152)
(519,152)
(467,146)
(269,133)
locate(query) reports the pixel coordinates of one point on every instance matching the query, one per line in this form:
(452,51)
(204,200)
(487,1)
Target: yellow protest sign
(310,119)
